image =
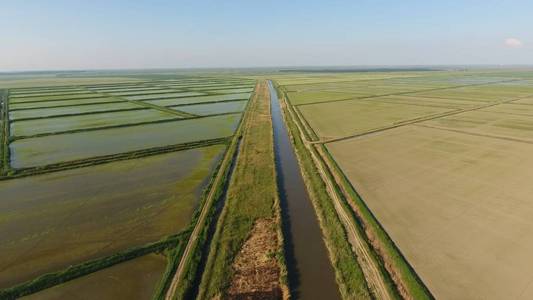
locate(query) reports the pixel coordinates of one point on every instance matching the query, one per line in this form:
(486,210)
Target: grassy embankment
(252,195)
(405,278)
(4,132)
(191,265)
(348,273)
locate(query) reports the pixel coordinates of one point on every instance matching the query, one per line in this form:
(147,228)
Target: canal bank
(311,275)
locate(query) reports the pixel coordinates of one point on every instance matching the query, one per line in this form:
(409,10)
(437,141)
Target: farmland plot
(214,108)
(458,206)
(338,119)
(492,123)
(61,124)
(51,221)
(66,147)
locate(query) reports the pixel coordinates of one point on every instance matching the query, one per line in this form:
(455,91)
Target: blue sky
(77,34)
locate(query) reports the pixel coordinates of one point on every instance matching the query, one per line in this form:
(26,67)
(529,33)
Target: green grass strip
(252,195)
(111,158)
(5,168)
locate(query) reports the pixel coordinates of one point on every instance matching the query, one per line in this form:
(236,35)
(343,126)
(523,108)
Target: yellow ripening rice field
(344,118)
(458,205)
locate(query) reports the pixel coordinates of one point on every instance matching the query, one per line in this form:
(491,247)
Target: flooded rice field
(66,147)
(51,221)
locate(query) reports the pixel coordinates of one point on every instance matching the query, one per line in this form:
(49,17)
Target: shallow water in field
(50,221)
(134,279)
(66,147)
(311,275)
(214,108)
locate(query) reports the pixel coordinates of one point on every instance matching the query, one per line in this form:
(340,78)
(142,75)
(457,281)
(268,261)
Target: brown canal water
(311,275)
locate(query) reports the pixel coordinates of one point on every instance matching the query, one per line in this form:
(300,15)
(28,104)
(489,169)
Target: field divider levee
(5,168)
(411,92)
(62,99)
(153,106)
(209,102)
(198,234)
(165,109)
(67,165)
(403,275)
(375,275)
(420,119)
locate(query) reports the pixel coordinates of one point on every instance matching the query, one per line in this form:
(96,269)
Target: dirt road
(369,265)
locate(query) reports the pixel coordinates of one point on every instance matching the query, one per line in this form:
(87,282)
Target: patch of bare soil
(256,270)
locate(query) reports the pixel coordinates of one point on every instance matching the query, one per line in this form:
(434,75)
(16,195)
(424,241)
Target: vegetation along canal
(311,275)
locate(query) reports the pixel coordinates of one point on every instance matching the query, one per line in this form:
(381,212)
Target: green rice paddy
(51,221)
(214,108)
(61,124)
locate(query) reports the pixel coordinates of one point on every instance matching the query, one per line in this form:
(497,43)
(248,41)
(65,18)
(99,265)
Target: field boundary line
(51,279)
(5,152)
(410,92)
(418,120)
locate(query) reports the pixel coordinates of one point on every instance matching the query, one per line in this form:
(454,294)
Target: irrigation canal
(311,275)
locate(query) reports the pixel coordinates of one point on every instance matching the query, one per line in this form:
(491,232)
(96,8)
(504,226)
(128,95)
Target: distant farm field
(134,279)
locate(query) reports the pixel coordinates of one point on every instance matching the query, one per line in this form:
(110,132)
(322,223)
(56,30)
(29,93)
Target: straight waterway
(311,275)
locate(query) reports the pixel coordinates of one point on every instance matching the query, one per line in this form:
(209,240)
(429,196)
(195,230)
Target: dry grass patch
(256,271)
